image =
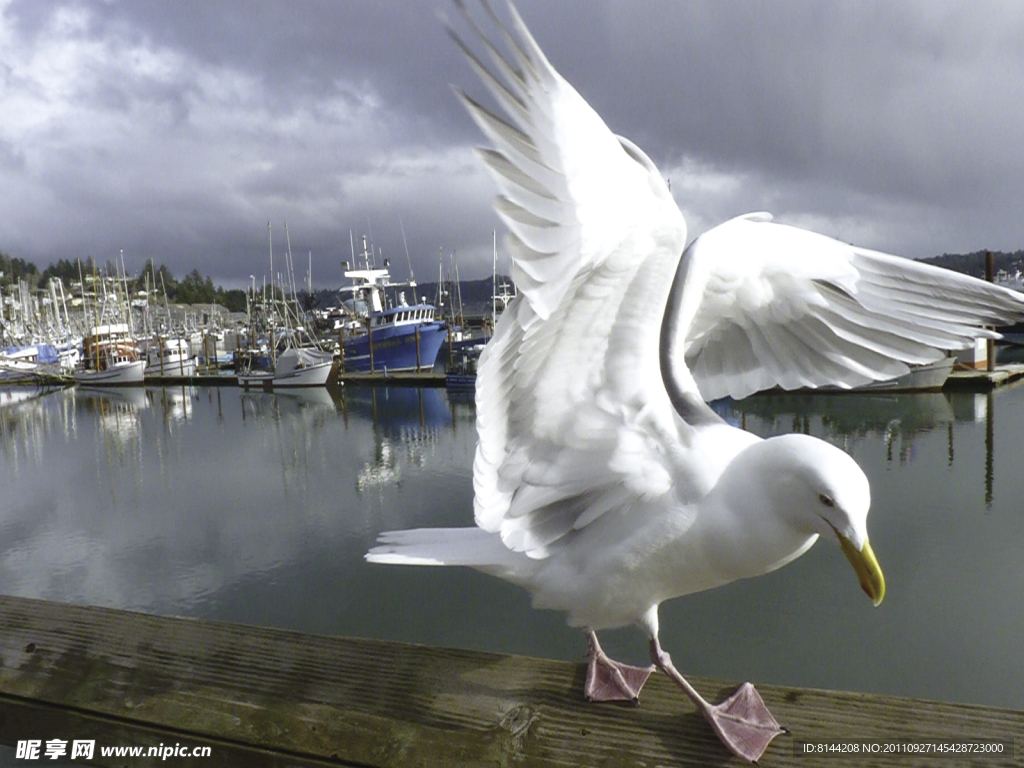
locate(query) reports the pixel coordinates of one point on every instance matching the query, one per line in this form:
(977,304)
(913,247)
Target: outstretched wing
(571,411)
(758,305)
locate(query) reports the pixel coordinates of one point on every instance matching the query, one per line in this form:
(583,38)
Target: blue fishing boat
(404,337)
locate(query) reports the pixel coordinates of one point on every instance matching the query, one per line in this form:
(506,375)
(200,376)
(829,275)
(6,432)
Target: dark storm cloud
(864,108)
(177,130)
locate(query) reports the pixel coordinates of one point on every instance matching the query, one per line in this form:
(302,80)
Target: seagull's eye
(826,500)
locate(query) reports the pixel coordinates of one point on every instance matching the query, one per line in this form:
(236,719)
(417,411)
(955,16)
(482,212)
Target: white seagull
(603,482)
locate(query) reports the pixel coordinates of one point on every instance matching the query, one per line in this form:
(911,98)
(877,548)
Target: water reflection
(408,424)
(175,404)
(257,507)
(25,422)
(161,498)
(844,418)
(400,410)
(898,420)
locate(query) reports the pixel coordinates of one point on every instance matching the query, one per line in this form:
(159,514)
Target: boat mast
(273,299)
(458,291)
(494,278)
(291,264)
(167,306)
(408,259)
(127,299)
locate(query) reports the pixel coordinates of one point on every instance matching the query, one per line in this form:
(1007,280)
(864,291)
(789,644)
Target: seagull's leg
(610,680)
(742,721)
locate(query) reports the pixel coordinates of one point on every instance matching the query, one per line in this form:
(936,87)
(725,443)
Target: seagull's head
(827,493)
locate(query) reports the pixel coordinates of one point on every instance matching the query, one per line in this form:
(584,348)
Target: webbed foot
(610,680)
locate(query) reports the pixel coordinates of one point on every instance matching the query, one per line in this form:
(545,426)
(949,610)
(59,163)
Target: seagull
(603,482)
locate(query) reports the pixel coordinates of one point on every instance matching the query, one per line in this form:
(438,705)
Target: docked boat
(291,366)
(170,357)
(27,361)
(930,377)
(460,373)
(288,356)
(110,356)
(406,337)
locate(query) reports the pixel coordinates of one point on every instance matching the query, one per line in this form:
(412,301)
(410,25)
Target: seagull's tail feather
(471,547)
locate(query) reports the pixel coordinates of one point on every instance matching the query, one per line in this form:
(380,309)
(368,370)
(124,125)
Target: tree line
(974,263)
(194,288)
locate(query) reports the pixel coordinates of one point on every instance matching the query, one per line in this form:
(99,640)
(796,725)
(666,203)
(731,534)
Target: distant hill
(974,263)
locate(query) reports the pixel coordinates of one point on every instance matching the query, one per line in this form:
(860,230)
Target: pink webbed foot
(743,723)
(610,680)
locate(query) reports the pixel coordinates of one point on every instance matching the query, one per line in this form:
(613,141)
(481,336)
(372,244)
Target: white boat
(17,362)
(295,367)
(110,356)
(14,369)
(930,377)
(170,357)
(295,358)
(922,378)
(114,370)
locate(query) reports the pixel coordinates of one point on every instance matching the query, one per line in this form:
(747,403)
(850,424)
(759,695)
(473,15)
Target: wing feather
(558,150)
(564,406)
(590,396)
(767,305)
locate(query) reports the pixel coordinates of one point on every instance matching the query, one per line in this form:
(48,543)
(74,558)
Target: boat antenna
(412,277)
(369,231)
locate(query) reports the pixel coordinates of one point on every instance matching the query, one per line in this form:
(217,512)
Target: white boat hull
(180,367)
(922,378)
(170,357)
(127,373)
(315,375)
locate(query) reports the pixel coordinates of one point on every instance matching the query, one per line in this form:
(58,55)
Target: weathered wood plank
(264,697)
(984,381)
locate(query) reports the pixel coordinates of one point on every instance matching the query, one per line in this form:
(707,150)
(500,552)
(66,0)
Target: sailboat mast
(494,278)
(273,299)
(291,264)
(127,297)
(408,259)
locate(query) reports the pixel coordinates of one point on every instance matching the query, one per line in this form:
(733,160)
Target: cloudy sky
(177,130)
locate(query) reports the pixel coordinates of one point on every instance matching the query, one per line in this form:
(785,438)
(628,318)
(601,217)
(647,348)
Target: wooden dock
(403,379)
(198,380)
(265,697)
(983,381)
(424,378)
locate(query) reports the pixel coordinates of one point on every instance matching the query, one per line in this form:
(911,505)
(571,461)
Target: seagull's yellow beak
(867,568)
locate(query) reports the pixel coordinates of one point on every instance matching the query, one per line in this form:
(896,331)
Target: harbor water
(258,507)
